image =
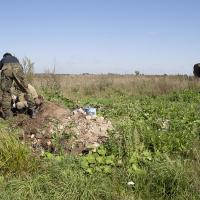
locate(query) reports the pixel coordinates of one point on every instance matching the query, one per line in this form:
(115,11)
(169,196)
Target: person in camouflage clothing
(12,72)
(19,103)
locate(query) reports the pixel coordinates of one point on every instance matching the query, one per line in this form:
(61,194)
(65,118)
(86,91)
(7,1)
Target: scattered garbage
(131,184)
(56,127)
(90,111)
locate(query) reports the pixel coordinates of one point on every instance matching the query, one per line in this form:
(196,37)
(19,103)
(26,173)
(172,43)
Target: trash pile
(59,129)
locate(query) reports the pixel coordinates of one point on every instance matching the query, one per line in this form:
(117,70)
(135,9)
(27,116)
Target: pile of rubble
(58,129)
(90,130)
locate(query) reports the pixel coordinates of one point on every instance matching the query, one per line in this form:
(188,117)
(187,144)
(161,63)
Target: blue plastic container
(90,111)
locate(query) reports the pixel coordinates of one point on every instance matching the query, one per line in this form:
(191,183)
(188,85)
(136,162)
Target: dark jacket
(8,59)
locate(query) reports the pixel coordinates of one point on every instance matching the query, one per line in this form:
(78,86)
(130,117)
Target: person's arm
(1,64)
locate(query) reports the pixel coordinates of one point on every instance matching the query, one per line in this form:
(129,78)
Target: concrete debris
(74,131)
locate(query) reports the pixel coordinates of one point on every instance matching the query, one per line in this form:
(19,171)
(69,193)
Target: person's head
(7,54)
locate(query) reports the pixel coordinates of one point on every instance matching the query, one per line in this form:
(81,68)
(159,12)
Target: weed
(154,146)
(15,158)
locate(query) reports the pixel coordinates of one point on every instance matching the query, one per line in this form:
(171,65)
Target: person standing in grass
(12,71)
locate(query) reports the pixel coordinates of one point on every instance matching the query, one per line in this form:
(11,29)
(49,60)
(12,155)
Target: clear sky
(100,36)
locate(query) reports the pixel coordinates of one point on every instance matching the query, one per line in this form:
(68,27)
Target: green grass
(63,180)
(155,144)
(15,159)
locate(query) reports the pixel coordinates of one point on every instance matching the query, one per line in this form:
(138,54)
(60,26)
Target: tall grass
(15,158)
(76,86)
(65,180)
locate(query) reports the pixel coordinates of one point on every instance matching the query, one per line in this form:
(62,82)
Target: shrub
(28,67)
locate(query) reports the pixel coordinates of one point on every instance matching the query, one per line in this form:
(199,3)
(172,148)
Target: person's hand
(39,100)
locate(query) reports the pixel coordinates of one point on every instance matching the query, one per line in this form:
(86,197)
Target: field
(152,153)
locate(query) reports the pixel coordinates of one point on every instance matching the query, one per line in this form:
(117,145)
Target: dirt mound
(55,111)
(59,129)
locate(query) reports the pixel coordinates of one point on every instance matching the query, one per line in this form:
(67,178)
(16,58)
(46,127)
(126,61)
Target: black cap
(7,54)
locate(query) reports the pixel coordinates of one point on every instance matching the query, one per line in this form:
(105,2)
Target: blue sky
(100,36)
